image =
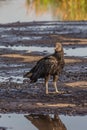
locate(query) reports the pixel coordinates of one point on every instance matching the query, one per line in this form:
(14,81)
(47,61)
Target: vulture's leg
(55,78)
(46,83)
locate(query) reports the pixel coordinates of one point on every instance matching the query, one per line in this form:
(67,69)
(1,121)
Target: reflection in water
(42,10)
(59,9)
(39,122)
(46,122)
(2,128)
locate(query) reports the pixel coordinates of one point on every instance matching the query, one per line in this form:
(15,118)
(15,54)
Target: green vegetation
(65,9)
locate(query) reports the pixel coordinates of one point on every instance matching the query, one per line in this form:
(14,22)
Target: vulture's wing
(46,65)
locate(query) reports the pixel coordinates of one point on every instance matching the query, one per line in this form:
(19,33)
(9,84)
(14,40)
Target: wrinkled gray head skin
(58,47)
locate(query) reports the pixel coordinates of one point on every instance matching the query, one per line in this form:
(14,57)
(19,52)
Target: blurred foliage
(60,9)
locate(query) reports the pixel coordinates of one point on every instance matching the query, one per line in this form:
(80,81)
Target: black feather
(49,65)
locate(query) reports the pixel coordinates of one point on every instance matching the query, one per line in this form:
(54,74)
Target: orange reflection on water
(42,10)
(59,9)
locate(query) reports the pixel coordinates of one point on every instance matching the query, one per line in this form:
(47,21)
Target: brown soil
(31,98)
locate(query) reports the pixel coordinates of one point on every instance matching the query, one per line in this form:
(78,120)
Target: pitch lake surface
(48,10)
(30,10)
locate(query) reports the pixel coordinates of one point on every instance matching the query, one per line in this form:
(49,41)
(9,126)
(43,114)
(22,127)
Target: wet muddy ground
(21,45)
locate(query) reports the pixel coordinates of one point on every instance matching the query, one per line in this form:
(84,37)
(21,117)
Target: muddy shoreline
(22,97)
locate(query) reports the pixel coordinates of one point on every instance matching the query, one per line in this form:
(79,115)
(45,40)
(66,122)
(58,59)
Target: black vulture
(50,65)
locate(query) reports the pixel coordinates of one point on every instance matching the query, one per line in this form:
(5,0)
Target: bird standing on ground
(50,65)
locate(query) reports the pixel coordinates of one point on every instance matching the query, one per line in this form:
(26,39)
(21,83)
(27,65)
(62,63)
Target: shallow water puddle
(11,38)
(76,52)
(17,79)
(42,122)
(79,52)
(15,122)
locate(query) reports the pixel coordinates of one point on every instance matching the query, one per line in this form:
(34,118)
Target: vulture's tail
(32,77)
(27,75)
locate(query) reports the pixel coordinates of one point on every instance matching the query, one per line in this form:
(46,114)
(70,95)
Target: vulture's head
(58,47)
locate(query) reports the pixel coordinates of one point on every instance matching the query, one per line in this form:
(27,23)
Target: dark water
(42,122)
(42,10)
